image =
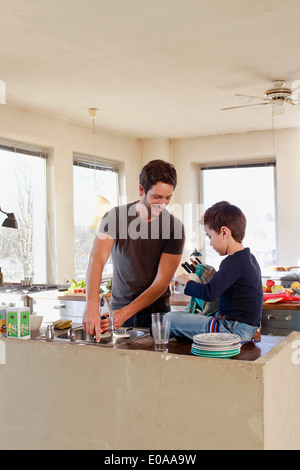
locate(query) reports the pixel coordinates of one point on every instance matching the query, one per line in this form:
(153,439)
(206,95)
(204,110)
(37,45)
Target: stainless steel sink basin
(80,336)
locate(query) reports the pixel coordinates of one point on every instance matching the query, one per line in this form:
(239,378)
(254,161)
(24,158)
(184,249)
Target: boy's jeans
(187,325)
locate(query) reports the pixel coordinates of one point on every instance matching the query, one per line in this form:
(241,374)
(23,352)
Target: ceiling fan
(278,95)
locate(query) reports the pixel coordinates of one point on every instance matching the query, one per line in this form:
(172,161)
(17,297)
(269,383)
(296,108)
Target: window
(23,192)
(95,192)
(252,189)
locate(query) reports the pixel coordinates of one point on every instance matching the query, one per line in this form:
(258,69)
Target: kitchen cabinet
(59,308)
(280,319)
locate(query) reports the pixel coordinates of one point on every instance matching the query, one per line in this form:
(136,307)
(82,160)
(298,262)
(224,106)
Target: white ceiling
(152,67)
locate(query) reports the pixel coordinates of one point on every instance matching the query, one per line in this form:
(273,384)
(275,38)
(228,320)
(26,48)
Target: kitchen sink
(81,337)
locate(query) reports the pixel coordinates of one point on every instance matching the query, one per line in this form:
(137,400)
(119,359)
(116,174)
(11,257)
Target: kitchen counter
(249,352)
(181,299)
(282,306)
(176,298)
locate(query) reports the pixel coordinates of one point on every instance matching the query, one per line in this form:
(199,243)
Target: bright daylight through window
(22,183)
(95,192)
(252,189)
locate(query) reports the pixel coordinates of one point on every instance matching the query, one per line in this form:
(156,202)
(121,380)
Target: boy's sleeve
(222,280)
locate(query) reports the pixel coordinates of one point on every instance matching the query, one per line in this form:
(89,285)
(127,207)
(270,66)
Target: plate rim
(216,338)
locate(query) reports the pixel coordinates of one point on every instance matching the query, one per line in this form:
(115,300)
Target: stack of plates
(216,345)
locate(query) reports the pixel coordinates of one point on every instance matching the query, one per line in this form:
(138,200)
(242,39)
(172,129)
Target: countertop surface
(249,352)
(176,298)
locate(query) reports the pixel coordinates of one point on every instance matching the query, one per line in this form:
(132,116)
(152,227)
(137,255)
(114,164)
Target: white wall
(189,154)
(63,138)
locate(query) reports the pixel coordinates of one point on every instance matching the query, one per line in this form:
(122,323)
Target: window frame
(98,163)
(231,165)
(39,152)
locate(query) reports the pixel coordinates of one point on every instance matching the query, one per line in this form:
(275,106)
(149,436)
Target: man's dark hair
(225,214)
(157,171)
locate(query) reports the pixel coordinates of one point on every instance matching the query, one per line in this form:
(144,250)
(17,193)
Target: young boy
(237,283)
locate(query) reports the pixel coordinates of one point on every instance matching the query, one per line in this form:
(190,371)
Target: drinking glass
(161,324)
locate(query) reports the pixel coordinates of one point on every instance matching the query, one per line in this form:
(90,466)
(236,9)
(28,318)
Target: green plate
(197,352)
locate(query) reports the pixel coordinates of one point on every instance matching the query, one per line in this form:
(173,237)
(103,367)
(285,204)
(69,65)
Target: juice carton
(2,321)
(18,322)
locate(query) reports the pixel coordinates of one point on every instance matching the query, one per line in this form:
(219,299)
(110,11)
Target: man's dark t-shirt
(137,250)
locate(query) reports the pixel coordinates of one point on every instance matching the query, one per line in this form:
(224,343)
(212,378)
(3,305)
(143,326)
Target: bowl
(35,321)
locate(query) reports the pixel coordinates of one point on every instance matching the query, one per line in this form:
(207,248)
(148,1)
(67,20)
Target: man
(146,244)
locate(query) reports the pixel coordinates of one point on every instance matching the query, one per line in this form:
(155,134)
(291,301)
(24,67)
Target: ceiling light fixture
(102,204)
(10,221)
(278,106)
(93,115)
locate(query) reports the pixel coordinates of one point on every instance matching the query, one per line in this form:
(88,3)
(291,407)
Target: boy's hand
(182,279)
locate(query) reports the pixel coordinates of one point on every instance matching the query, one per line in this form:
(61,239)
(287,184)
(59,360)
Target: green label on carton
(12,324)
(2,323)
(24,324)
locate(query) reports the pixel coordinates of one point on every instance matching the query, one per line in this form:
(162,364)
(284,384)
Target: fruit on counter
(269,284)
(295,285)
(277,289)
(76,285)
(79,287)
(80,290)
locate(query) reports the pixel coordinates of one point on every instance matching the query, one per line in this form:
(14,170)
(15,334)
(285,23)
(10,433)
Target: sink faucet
(115,336)
(103,300)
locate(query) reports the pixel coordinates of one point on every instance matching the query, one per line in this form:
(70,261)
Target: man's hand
(100,252)
(119,318)
(91,322)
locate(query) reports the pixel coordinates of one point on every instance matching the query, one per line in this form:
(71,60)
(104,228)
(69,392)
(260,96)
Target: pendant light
(102,204)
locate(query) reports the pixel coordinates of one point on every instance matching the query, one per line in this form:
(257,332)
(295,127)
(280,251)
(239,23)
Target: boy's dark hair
(225,214)
(157,171)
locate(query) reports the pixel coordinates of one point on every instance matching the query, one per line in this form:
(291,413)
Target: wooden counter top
(181,299)
(176,299)
(282,306)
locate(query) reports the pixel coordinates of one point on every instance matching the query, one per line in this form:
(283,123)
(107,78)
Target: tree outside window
(22,191)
